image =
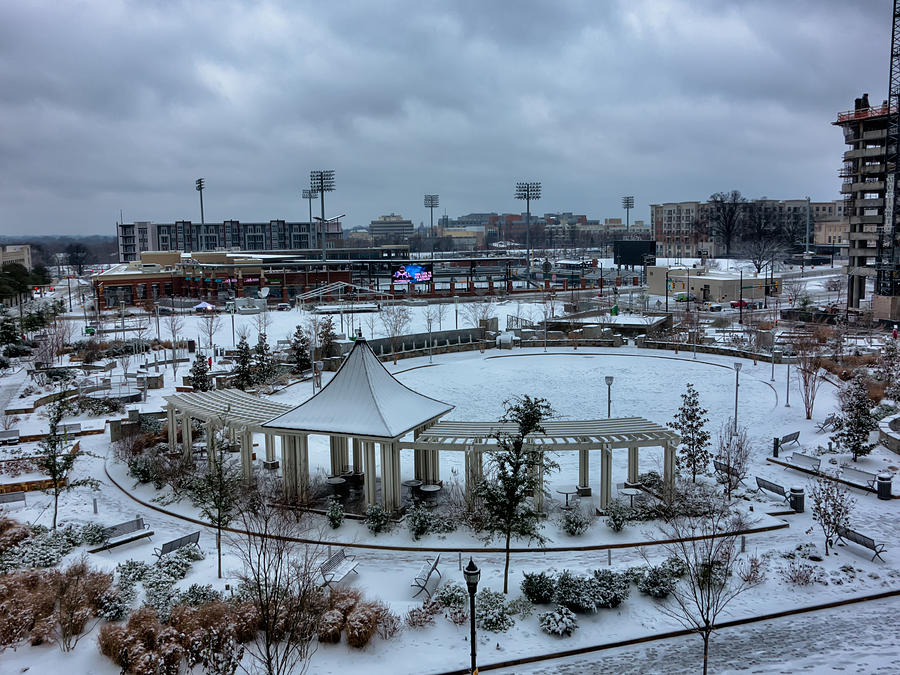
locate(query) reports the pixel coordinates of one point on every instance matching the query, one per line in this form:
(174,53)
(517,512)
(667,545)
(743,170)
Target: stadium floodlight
(200,183)
(322,181)
(529,191)
(432,202)
(309,195)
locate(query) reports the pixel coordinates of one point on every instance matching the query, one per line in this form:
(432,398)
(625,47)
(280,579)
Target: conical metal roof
(363,400)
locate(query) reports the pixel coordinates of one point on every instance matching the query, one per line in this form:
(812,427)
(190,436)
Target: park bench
(723,468)
(858,477)
(805,461)
(846,534)
(175,544)
(10,437)
(828,423)
(129,527)
(420,581)
(337,566)
(71,428)
(11,497)
(789,438)
(774,488)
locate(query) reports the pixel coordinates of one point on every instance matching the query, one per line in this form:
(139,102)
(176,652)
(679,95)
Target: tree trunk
(705,651)
(55,507)
(506,566)
(219,548)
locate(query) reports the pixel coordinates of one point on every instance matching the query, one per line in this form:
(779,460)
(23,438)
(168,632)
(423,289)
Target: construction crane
(889,269)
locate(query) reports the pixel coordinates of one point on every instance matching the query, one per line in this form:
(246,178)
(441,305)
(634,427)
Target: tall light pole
(787,385)
(737,384)
(472,574)
(432,202)
(200,184)
(529,191)
(309,195)
(609,381)
(627,204)
(322,181)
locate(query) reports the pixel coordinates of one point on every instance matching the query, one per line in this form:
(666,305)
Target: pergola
(364,404)
(633,433)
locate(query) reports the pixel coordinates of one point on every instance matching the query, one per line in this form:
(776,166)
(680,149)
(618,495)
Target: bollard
(743,543)
(609,557)
(95,505)
(460,561)
(775,447)
(797,499)
(884,485)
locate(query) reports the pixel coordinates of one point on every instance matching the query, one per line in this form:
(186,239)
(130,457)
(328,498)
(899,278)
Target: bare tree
(477,312)
(175,324)
(733,454)
(441,309)
(280,575)
(831,507)
(809,371)
(707,548)
(262,322)
(313,327)
(794,288)
(726,215)
(834,285)
(396,319)
(211,323)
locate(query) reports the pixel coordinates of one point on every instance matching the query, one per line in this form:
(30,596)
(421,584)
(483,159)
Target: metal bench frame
(175,544)
(774,488)
(10,497)
(793,437)
(866,477)
(846,534)
(722,467)
(420,581)
(827,423)
(121,530)
(806,461)
(337,566)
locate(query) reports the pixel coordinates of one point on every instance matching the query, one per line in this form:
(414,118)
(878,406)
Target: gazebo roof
(362,400)
(233,405)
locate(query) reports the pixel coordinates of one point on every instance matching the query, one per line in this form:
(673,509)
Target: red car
(739,303)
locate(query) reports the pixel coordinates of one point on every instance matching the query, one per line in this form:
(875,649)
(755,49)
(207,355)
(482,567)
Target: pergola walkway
(364,404)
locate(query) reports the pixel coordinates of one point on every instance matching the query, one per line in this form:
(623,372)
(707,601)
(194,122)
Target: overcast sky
(109,106)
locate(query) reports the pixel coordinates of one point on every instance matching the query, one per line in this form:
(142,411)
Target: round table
(567,493)
(429,492)
(632,493)
(338,484)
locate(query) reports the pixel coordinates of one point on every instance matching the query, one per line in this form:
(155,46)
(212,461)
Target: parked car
(740,303)
(685,297)
(283,306)
(714,307)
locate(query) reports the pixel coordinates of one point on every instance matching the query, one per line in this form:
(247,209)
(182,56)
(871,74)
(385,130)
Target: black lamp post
(609,382)
(472,575)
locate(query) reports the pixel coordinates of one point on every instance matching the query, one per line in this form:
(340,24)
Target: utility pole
(627,204)
(200,183)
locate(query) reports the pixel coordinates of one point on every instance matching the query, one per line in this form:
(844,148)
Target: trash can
(797,499)
(884,485)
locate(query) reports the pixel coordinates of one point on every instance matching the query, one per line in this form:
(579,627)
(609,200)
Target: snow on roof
(364,400)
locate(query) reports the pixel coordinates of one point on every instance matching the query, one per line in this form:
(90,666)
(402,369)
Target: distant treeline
(97,248)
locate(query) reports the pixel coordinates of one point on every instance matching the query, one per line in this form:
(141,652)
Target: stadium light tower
(529,191)
(432,202)
(322,181)
(627,204)
(200,183)
(309,195)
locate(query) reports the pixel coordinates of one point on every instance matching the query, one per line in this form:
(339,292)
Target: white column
(210,442)
(435,463)
(633,465)
(584,471)
(173,431)
(387,476)
(246,453)
(538,470)
(605,476)
(289,467)
(418,458)
(270,448)
(301,444)
(669,469)
(357,456)
(370,486)
(396,482)
(186,433)
(335,454)
(474,469)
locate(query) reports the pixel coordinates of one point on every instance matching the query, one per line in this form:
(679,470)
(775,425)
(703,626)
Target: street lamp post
(200,184)
(472,575)
(529,191)
(322,181)
(609,381)
(787,386)
(737,384)
(309,195)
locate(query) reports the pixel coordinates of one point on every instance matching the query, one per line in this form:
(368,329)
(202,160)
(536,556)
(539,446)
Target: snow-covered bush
(539,588)
(753,570)
(335,513)
(657,582)
(560,622)
(92,534)
(609,589)
(377,519)
(361,625)
(801,574)
(197,594)
(419,617)
(618,515)
(492,612)
(575,522)
(574,592)
(389,622)
(330,627)
(116,603)
(635,574)
(344,599)
(421,521)
(451,594)
(521,607)
(458,616)
(676,566)
(651,481)
(132,571)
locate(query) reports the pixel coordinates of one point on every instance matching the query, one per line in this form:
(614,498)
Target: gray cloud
(107,106)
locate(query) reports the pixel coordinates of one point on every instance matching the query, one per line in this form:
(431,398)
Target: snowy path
(799,644)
